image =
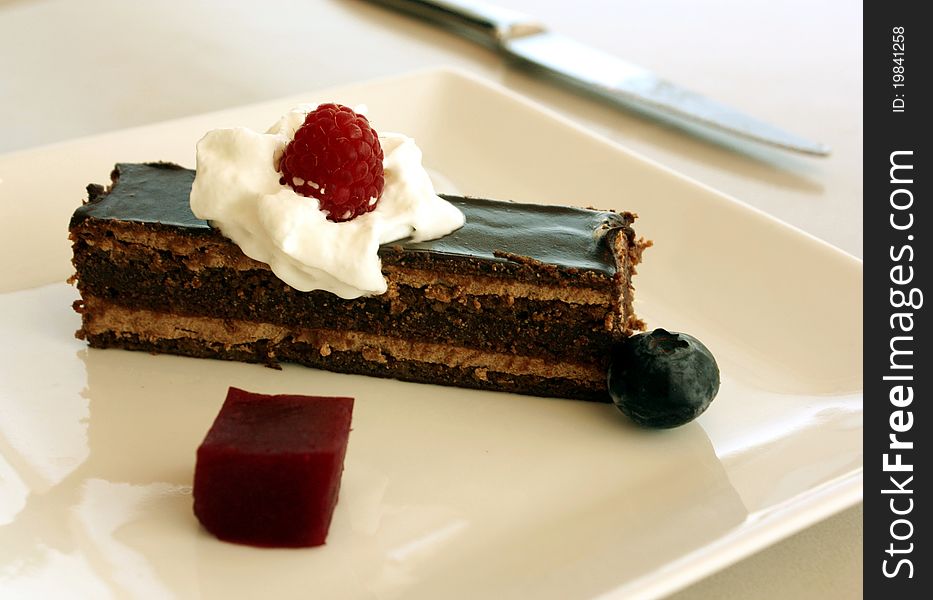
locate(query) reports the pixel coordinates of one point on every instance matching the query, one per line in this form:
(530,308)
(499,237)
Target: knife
(520,37)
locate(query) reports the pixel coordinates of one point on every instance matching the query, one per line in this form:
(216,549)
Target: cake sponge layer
(358,353)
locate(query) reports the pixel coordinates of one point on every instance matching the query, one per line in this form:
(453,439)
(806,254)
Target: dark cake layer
(137,279)
(523,298)
(359,363)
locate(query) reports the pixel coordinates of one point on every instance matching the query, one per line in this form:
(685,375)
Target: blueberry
(662,379)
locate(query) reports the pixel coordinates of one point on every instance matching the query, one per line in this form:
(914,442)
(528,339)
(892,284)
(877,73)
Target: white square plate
(447,492)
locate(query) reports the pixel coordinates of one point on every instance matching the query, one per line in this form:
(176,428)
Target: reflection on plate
(445,489)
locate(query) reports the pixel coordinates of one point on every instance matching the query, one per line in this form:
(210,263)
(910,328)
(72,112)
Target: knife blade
(526,41)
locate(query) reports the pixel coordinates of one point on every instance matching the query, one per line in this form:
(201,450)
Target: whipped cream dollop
(237,189)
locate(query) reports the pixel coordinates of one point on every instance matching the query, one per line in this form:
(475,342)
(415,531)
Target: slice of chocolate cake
(523,298)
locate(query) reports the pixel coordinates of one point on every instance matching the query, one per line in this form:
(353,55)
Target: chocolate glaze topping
(565,237)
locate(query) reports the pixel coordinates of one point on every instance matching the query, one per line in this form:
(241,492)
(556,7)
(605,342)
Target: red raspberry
(335,157)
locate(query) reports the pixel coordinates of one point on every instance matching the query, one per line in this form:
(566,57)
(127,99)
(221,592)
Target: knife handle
(485,23)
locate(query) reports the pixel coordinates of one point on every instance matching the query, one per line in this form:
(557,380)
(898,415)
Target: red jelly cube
(269,470)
